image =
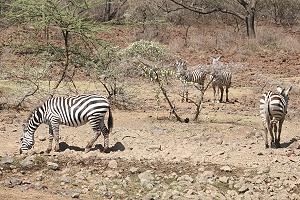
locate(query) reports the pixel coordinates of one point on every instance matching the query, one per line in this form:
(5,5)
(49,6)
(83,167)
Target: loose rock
(226,169)
(52,165)
(7,160)
(112,164)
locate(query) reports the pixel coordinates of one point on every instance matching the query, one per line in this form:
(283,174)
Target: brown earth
(184,160)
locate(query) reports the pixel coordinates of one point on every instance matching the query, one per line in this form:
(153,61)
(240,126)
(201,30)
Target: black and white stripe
(221,78)
(273,108)
(70,111)
(196,76)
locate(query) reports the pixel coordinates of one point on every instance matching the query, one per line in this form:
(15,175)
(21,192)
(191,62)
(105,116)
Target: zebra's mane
(31,113)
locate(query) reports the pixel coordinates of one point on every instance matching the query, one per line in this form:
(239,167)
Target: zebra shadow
(118,146)
(287,144)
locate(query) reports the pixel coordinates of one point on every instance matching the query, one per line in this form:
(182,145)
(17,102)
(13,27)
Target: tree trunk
(67,55)
(250,19)
(107,10)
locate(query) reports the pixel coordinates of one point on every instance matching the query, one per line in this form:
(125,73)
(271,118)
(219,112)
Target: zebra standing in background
(221,78)
(196,76)
(273,108)
(70,111)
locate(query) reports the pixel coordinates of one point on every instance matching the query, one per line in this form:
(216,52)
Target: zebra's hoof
(267,146)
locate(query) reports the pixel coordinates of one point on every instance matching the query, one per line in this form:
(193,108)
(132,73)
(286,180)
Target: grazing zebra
(196,76)
(70,111)
(273,108)
(221,77)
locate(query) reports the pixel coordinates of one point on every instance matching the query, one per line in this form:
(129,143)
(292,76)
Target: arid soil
(222,156)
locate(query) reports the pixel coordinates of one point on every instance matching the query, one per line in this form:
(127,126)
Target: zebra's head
(180,66)
(27,140)
(284,92)
(216,60)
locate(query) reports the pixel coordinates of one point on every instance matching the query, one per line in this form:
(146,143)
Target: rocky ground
(215,158)
(221,156)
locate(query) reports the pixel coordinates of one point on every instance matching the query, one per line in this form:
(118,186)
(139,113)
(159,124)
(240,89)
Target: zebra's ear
(24,126)
(219,57)
(286,92)
(279,89)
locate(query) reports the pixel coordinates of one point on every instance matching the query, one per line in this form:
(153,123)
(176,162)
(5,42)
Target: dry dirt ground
(222,156)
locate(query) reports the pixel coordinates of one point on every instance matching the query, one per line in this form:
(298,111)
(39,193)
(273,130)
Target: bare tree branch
(30,93)
(206,12)
(164,92)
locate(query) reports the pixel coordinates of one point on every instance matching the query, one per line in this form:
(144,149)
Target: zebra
(220,77)
(273,108)
(196,76)
(71,111)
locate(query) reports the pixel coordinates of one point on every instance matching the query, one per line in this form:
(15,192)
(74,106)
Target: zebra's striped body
(70,111)
(273,108)
(221,78)
(196,76)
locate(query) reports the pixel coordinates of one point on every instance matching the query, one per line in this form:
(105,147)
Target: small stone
(185,178)
(40,177)
(2,128)
(7,160)
(112,164)
(111,174)
(27,162)
(243,189)
(224,179)
(39,186)
(205,177)
(52,165)
(42,138)
(12,182)
(75,195)
(226,169)
(108,194)
(133,170)
(146,177)
(263,170)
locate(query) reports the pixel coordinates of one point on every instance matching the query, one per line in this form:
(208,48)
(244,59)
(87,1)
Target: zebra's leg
(55,127)
(277,142)
(227,89)
(275,134)
(93,140)
(266,137)
(186,95)
(271,126)
(105,132)
(266,129)
(49,148)
(222,91)
(214,88)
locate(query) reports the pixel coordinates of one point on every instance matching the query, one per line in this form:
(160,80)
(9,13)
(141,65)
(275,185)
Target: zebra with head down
(71,111)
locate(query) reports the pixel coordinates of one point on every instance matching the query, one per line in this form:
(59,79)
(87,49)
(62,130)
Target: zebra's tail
(110,121)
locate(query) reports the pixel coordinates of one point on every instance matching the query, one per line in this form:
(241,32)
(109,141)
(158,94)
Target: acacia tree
(241,9)
(70,18)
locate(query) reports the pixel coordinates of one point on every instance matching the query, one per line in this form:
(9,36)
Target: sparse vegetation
(126,50)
